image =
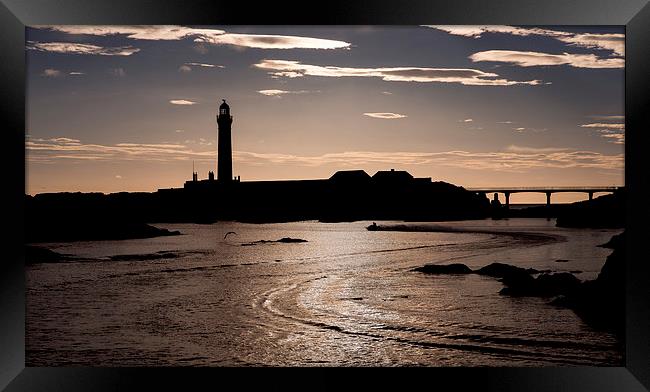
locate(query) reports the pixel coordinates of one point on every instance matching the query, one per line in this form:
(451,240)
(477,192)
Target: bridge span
(507,191)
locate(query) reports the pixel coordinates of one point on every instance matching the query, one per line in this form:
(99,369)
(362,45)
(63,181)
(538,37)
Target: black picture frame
(633,14)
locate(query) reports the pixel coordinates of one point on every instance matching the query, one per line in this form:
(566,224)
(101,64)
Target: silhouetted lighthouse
(224,157)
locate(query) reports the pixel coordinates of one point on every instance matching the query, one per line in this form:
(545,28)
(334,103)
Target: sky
(132,108)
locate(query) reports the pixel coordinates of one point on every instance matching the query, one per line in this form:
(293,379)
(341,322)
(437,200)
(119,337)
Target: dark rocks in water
(500,270)
(545,285)
(285,240)
(149,256)
(601,302)
(617,241)
(36,254)
(444,269)
(561,261)
(290,240)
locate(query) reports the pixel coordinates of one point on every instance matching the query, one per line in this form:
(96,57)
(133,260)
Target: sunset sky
(130,108)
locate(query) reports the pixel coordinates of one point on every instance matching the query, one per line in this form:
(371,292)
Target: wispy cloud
(76,73)
(210,36)
(51,150)
(77,48)
(187,67)
(205,65)
(181,102)
(473,77)
(614,132)
(612,42)
(533,59)
(604,125)
(386,116)
(279,93)
(51,73)
(608,118)
(466,120)
(512,159)
(477,31)
(515,159)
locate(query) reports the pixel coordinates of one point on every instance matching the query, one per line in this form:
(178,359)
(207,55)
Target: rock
(286,240)
(546,285)
(561,261)
(601,302)
(290,240)
(444,269)
(500,270)
(617,241)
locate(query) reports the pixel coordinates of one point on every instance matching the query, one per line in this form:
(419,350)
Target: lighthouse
(224,152)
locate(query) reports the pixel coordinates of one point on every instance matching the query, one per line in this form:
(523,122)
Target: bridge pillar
(548,205)
(591,196)
(507,194)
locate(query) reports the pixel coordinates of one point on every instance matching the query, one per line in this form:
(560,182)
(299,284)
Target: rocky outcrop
(435,269)
(601,302)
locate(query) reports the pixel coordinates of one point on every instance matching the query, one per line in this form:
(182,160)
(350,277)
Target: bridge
(590,190)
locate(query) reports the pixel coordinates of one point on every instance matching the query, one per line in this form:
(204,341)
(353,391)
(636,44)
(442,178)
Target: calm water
(346,297)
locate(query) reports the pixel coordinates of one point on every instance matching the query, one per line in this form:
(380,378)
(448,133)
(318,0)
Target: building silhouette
(346,195)
(224,153)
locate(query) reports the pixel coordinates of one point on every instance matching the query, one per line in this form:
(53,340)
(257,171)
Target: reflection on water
(345,297)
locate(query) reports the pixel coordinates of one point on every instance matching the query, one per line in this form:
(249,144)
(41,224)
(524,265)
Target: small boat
(373,227)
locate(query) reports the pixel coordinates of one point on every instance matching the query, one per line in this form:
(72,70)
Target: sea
(218,295)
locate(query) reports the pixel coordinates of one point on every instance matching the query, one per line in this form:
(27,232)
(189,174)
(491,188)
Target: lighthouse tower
(224,157)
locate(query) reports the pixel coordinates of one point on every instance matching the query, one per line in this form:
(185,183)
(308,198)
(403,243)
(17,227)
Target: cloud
(534,150)
(520,129)
(51,73)
(608,117)
(187,67)
(77,48)
(476,31)
(271,41)
(505,122)
(604,125)
(51,150)
(179,131)
(279,93)
(386,116)
(512,159)
(75,73)
(466,120)
(181,102)
(209,36)
(614,132)
(119,177)
(612,42)
(533,59)
(205,65)
(117,72)
(614,137)
(387,93)
(473,77)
